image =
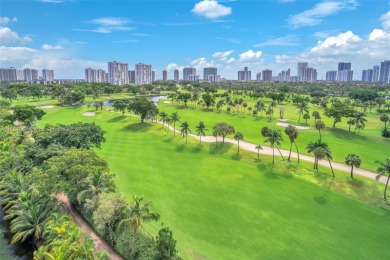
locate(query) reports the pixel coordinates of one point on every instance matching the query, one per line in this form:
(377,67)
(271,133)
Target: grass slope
(224,206)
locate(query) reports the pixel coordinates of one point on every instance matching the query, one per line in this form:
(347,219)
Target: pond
(155,99)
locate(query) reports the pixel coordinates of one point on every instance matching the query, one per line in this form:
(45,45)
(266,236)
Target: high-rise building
(283,76)
(209,71)
(258,76)
(384,75)
(30,74)
(244,75)
(118,73)
(176,75)
(344,72)
(92,75)
(143,74)
(47,75)
(331,75)
(187,72)
(131,75)
(164,75)
(267,75)
(213,78)
(375,74)
(153,75)
(301,67)
(8,75)
(367,75)
(310,74)
(193,78)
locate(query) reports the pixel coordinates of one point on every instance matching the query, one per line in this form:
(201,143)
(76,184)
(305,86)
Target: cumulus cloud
(385,19)
(336,45)
(13,54)
(173,66)
(5,20)
(222,56)
(321,10)
(49,47)
(250,56)
(211,9)
(9,36)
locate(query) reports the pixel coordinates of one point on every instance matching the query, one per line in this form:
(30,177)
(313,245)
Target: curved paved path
(100,243)
(268,151)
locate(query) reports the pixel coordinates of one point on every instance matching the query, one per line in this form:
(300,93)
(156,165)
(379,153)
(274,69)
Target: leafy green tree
(4,104)
(292,132)
(353,160)
(360,119)
(166,245)
(384,118)
(137,214)
(320,126)
(223,129)
(143,107)
(120,105)
(239,137)
(75,98)
(185,129)
(26,114)
(9,94)
(208,99)
(384,169)
(174,118)
(185,97)
(273,137)
(200,130)
(338,111)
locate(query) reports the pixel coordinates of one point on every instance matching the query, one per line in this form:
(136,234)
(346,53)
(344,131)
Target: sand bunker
(47,106)
(282,120)
(298,127)
(89,114)
(167,102)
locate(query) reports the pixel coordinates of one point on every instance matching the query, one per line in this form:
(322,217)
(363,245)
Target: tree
(174,118)
(316,115)
(185,128)
(163,117)
(292,133)
(384,169)
(143,107)
(258,148)
(306,117)
(320,126)
(166,245)
(200,130)
(72,98)
(120,105)
(352,160)
(10,94)
(385,118)
(350,123)
(223,129)
(320,151)
(338,111)
(360,119)
(26,114)
(273,137)
(185,97)
(136,215)
(302,109)
(208,99)
(239,137)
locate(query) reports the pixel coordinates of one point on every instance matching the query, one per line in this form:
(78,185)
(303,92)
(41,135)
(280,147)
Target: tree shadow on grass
(219,148)
(322,198)
(168,139)
(345,134)
(116,119)
(269,171)
(197,148)
(180,148)
(236,156)
(138,127)
(355,183)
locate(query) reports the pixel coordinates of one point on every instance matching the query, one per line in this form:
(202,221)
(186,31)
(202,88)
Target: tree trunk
(258,153)
(280,152)
(223,139)
(352,171)
(387,183)
(319,131)
(174,129)
(289,155)
(186,137)
(238,148)
(200,139)
(296,147)
(331,167)
(273,155)
(334,123)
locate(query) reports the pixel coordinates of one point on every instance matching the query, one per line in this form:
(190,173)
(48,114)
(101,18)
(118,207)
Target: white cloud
(49,47)
(126,41)
(222,55)
(227,39)
(13,54)
(5,20)
(336,45)
(141,34)
(378,34)
(110,21)
(250,56)
(324,34)
(211,9)
(289,40)
(173,66)
(385,19)
(9,36)
(321,10)
(231,61)
(108,25)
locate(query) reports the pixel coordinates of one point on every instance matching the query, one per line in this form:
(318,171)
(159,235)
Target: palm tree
(384,118)
(383,170)
(302,109)
(185,128)
(273,137)
(353,160)
(163,117)
(360,119)
(137,214)
(258,147)
(174,118)
(306,117)
(320,126)
(320,151)
(200,130)
(292,133)
(316,115)
(239,137)
(350,122)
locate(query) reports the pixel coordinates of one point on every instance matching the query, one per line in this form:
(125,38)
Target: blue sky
(71,35)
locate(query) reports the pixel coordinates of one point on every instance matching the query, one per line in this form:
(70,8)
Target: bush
(386,133)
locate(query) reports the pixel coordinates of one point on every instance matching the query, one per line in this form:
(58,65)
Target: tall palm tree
(384,169)
(174,118)
(185,128)
(258,147)
(163,117)
(302,109)
(320,125)
(137,215)
(200,130)
(239,137)
(292,133)
(352,160)
(316,115)
(274,137)
(320,151)
(360,119)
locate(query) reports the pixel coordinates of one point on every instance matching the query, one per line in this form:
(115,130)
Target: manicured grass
(368,143)
(221,205)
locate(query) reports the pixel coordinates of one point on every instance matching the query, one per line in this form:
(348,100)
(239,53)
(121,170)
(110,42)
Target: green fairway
(224,206)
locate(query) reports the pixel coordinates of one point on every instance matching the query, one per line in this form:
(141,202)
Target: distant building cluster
(26,75)
(377,74)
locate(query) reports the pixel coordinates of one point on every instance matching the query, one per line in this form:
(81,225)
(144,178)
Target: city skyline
(196,34)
